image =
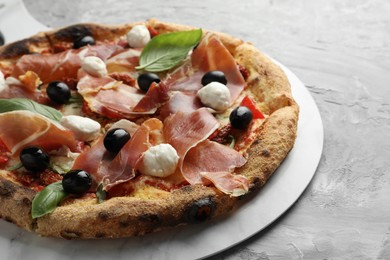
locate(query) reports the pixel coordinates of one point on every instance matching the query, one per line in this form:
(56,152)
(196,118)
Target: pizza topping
(210,157)
(210,55)
(34,159)
(3,86)
(249,103)
(215,95)
(146,79)
(214,76)
(14,104)
(124,61)
(83,41)
(76,182)
(30,81)
(61,65)
(58,92)
(159,161)
(33,130)
(84,128)
(94,66)
(115,139)
(185,131)
(241,117)
(167,50)
(47,200)
(235,185)
(138,36)
(180,101)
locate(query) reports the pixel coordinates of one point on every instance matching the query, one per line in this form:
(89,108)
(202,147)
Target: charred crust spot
(124,223)
(265,153)
(255,184)
(15,49)
(26,201)
(201,210)
(152,218)
(103,215)
(100,235)
(74,32)
(69,234)
(6,189)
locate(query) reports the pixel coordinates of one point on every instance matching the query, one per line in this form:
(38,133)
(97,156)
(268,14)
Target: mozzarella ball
(215,95)
(138,36)
(94,66)
(2,82)
(159,161)
(84,128)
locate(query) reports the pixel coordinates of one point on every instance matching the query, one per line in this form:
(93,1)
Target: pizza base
(131,216)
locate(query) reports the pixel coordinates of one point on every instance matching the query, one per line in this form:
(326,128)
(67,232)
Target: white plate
(195,241)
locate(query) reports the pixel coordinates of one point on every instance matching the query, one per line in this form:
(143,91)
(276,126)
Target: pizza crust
(130,216)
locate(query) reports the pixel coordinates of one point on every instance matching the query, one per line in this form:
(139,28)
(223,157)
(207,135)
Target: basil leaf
(47,200)
(165,51)
(7,105)
(100,193)
(15,167)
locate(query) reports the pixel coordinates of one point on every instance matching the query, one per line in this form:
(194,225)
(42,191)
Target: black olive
(2,40)
(212,76)
(83,41)
(240,117)
(76,182)
(58,92)
(146,79)
(34,159)
(115,139)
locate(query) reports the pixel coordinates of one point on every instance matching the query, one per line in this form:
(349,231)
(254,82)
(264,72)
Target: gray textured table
(341,51)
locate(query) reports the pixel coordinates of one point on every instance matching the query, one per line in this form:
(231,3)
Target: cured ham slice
(109,97)
(125,61)
(184,131)
(210,157)
(91,159)
(61,65)
(154,98)
(235,185)
(180,101)
(112,98)
(118,169)
(210,54)
(33,130)
(14,88)
(122,167)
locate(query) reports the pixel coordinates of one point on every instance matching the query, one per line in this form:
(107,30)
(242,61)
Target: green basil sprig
(47,200)
(7,105)
(165,51)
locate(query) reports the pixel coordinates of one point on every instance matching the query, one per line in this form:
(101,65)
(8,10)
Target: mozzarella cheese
(215,95)
(138,36)
(3,86)
(159,161)
(94,66)
(85,129)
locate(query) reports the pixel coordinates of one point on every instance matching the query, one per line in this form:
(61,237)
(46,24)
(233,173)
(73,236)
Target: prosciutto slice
(235,185)
(180,102)
(185,130)
(210,157)
(124,61)
(109,97)
(211,54)
(118,169)
(61,65)
(19,129)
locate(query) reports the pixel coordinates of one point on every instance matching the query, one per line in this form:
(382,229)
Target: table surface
(340,49)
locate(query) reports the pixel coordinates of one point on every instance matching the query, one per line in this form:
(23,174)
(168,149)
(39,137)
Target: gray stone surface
(340,49)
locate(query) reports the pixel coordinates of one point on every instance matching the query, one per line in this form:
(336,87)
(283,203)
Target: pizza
(115,131)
